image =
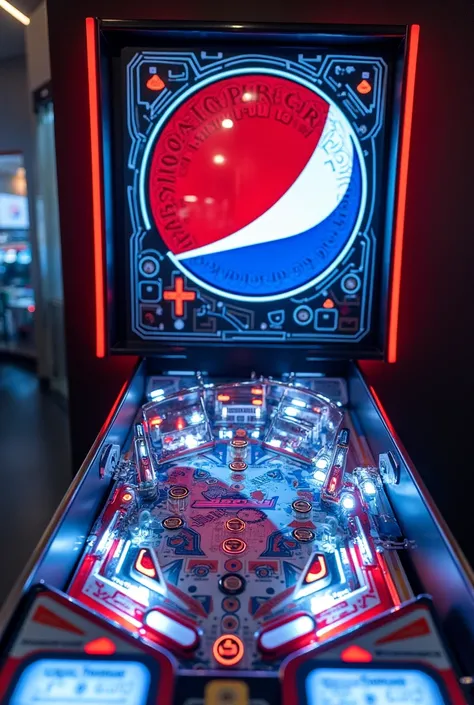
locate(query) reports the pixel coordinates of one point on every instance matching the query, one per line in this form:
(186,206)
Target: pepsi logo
(256,184)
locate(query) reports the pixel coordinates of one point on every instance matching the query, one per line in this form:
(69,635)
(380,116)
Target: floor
(35,466)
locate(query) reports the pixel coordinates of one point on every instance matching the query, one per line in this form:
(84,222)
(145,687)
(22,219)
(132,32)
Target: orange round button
(234,546)
(235,524)
(239,443)
(238,465)
(228,650)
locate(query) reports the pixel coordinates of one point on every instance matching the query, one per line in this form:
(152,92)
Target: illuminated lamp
(356,654)
(103,646)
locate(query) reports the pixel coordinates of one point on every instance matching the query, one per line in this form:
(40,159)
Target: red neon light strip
(412,53)
(91,41)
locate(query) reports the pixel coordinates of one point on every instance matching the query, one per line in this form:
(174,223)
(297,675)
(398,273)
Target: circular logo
(256,183)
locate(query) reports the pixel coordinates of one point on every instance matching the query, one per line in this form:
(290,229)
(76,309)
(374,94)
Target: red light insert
(144,564)
(317,571)
(329,303)
(103,646)
(228,650)
(223,397)
(258,391)
(257,402)
(364,87)
(179,295)
(356,654)
(155,83)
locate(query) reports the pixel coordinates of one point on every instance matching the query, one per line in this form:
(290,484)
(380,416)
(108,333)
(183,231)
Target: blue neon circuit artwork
(253,207)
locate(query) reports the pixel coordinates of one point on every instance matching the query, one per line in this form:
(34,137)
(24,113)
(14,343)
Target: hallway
(34,465)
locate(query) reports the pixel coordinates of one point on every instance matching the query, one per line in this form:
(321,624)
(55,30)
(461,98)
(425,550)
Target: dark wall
(427,393)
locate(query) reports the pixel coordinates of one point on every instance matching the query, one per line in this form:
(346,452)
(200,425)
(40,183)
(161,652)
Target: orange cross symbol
(179,295)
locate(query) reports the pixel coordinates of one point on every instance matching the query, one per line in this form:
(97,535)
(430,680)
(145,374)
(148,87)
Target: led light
(275,442)
(12,10)
(319,476)
(209,200)
(101,646)
(191,441)
(10,256)
(184,636)
(31,308)
(348,501)
(257,402)
(156,421)
(228,650)
(225,411)
(355,654)
(227,123)
(225,434)
(223,397)
(258,412)
(96,184)
(218,159)
(196,417)
(247,96)
(157,393)
(369,488)
(257,391)
(24,257)
(127,497)
(298,402)
(141,566)
(290,411)
(255,434)
(180,424)
(189,198)
(322,463)
(287,632)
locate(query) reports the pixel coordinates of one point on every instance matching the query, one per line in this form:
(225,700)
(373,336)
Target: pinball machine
(247,527)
